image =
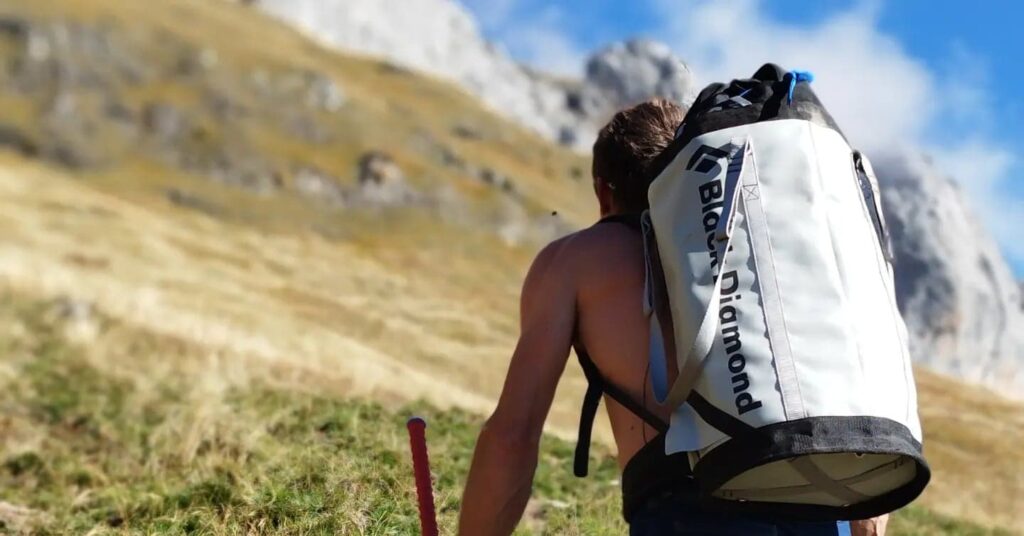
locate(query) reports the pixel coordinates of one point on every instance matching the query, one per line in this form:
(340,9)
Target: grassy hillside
(144,433)
(351,295)
(184,347)
(238,81)
(134,432)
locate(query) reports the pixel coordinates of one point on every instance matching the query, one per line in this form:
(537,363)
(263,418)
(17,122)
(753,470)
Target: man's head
(624,150)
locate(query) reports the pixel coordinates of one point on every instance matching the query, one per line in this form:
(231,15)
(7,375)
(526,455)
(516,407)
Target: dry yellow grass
(320,307)
(404,295)
(973,441)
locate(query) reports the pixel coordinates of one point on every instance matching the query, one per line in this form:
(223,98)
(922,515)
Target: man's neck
(611,212)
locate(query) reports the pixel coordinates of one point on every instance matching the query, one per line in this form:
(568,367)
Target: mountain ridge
(965,315)
(442,38)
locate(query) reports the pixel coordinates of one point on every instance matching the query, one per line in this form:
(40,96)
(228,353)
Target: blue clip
(794,77)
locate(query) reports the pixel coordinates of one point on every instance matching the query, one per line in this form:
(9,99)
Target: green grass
(917,521)
(128,449)
(98,451)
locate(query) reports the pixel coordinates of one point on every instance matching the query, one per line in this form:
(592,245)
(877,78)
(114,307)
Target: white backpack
(774,328)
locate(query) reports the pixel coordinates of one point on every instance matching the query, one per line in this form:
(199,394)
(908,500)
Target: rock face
(437,37)
(381,181)
(78,74)
(441,38)
(962,305)
(630,72)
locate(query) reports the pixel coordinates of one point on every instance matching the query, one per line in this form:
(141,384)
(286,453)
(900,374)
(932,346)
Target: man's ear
(605,192)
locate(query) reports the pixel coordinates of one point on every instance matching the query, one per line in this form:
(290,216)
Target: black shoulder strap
(596,386)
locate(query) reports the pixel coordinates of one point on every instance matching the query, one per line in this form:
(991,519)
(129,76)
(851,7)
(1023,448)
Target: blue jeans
(669,515)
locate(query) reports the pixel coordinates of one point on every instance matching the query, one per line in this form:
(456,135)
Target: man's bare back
(589,283)
(606,261)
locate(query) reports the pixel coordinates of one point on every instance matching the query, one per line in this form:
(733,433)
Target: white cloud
(881,97)
(878,94)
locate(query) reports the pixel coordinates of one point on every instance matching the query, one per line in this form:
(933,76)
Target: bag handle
(691,366)
(872,196)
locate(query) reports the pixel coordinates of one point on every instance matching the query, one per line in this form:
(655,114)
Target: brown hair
(628,144)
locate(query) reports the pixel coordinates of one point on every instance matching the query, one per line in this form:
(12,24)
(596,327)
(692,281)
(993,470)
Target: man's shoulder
(555,251)
(585,244)
(610,232)
(604,238)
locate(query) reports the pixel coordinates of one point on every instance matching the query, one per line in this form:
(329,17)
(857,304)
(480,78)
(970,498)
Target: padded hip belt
(650,473)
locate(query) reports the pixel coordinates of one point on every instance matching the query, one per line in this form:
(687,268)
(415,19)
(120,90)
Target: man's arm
(501,476)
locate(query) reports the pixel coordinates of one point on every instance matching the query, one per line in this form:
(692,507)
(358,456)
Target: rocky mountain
(961,303)
(441,38)
(310,126)
(962,306)
(633,71)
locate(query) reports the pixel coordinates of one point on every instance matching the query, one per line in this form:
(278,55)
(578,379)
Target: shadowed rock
(164,121)
(381,182)
(957,293)
(187,200)
(18,140)
(630,72)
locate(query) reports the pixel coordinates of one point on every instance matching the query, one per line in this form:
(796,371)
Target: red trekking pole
(421,469)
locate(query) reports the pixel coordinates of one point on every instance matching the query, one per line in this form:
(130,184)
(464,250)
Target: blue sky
(950,75)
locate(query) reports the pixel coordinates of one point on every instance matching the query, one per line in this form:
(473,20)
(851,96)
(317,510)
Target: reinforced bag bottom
(815,469)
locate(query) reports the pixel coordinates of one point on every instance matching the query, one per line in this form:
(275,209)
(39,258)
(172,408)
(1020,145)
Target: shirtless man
(585,289)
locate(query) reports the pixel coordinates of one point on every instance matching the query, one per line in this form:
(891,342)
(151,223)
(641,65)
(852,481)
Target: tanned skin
(593,277)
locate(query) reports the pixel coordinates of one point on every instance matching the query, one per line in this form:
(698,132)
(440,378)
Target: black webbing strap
(718,419)
(650,472)
(596,386)
(722,421)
